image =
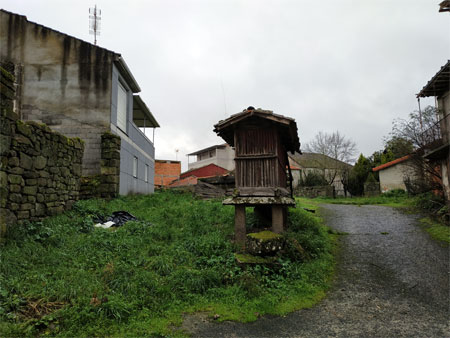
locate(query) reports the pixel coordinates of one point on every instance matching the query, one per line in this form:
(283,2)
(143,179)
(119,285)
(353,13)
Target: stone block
(13,162)
(40,209)
(26,206)
(111,179)
(40,198)
(76,168)
(31,181)
(39,162)
(264,243)
(14,197)
(30,190)
(54,170)
(16,170)
(24,214)
(32,199)
(5,144)
(55,210)
(23,128)
(25,161)
(21,140)
(14,188)
(7,217)
(30,174)
(15,179)
(44,174)
(64,171)
(3,178)
(109,171)
(14,206)
(42,182)
(3,162)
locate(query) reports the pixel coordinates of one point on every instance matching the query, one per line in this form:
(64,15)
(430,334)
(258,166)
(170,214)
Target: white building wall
(392,177)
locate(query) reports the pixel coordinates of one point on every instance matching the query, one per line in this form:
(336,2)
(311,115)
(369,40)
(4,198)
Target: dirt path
(392,281)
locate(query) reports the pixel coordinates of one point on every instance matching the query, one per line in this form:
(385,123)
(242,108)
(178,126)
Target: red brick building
(166,172)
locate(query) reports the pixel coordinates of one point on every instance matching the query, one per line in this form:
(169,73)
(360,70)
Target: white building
(221,155)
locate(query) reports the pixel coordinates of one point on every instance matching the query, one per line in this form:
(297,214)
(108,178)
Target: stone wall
(40,169)
(312,192)
(105,185)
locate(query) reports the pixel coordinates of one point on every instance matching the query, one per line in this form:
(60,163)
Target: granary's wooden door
(260,158)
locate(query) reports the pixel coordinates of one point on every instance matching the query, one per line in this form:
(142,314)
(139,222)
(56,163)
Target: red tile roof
(390,164)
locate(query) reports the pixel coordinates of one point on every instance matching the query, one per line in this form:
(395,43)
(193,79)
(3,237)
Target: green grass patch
(64,277)
(437,230)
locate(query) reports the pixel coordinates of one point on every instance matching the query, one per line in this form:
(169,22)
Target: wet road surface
(392,280)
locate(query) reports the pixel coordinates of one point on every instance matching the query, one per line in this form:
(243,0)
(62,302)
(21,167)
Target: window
(135,165)
(146,173)
(122,107)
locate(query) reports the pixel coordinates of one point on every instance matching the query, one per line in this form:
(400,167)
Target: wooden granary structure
(261,140)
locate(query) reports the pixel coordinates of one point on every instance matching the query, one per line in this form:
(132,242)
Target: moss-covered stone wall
(40,170)
(105,185)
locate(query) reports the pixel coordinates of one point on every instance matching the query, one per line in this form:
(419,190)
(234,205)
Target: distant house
(221,155)
(394,173)
(81,90)
(330,168)
(439,87)
(209,170)
(166,171)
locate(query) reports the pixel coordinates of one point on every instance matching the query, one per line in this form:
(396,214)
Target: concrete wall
(392,177)
(66,82)
(225,158)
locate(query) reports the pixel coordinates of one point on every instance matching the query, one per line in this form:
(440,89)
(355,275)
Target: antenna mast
(94,22)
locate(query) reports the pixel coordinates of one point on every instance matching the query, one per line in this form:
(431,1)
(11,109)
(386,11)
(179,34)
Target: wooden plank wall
(260,157)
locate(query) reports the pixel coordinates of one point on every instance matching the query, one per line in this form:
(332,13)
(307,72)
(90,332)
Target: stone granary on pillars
(261,140)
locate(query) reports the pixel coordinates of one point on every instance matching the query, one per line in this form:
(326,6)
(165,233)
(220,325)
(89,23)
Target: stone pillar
(240,232)
(277,218)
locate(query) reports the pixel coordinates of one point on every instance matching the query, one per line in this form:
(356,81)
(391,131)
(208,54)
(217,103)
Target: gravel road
(392,280)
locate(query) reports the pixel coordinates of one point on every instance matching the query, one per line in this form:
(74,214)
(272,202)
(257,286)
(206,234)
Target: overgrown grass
(65,277)
(436,229)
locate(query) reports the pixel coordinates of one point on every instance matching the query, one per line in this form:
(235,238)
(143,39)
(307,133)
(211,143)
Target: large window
(122,108)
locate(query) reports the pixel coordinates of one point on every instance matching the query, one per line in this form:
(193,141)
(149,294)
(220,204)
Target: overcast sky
(351,66)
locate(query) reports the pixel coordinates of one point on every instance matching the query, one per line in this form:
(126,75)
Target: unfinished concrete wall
(66,82)
(40,169)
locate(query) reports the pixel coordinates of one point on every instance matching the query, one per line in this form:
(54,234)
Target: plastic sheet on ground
(118,218)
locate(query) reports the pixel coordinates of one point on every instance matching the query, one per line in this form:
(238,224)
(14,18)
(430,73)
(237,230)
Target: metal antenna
(94,22)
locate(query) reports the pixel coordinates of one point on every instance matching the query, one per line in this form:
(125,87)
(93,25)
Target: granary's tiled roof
(225,128)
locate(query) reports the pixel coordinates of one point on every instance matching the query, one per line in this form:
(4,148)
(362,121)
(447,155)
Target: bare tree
(422,130)
(334,145)
(338,151)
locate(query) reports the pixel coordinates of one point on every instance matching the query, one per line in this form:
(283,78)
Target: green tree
(358,175)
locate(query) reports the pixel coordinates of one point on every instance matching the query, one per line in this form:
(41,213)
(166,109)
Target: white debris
(105,225)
